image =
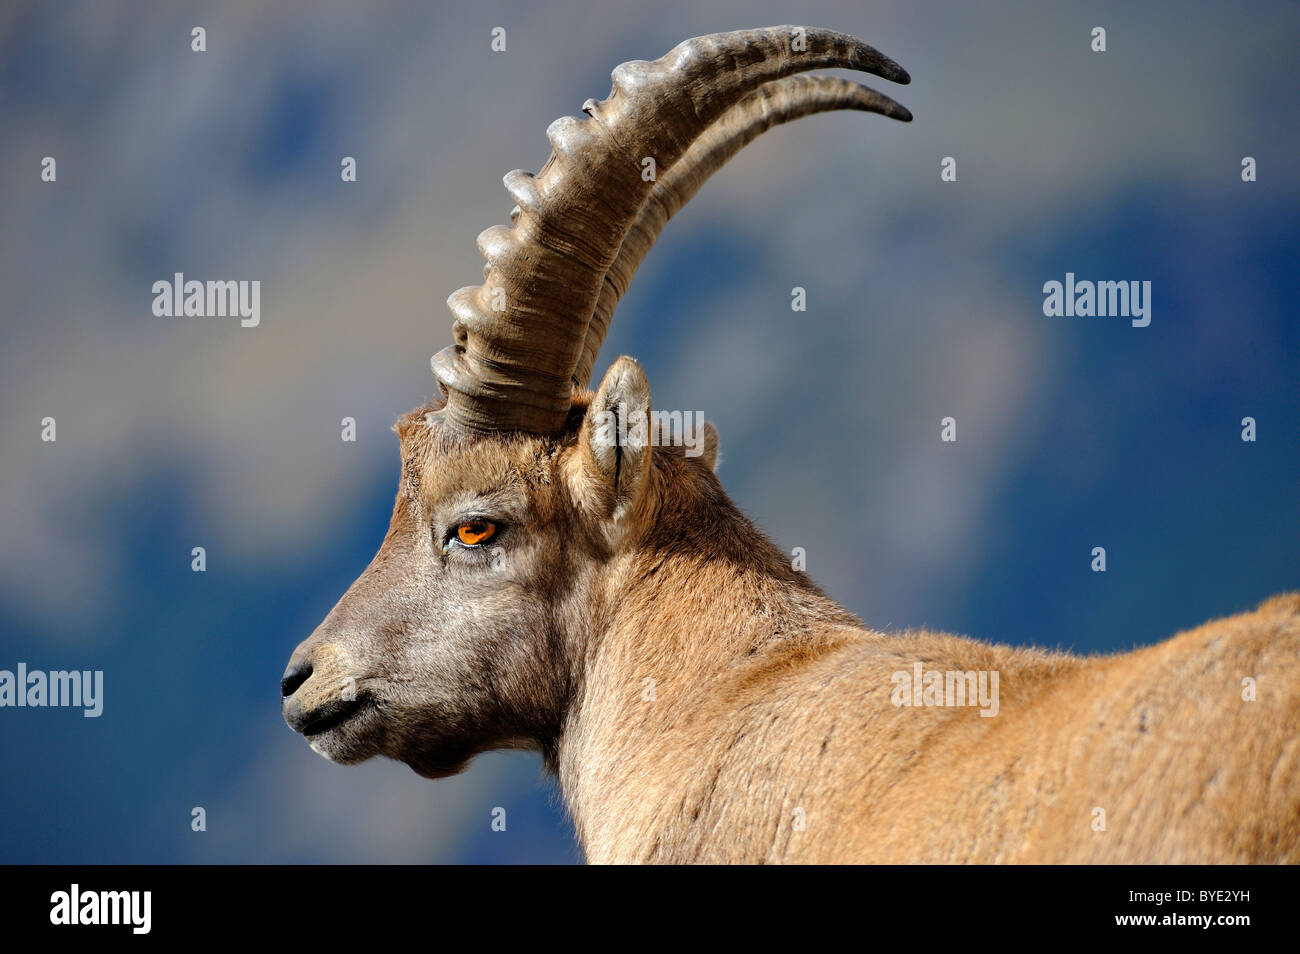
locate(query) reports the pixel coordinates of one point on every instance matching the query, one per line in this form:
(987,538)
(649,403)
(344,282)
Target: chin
(348,744)
(339,752)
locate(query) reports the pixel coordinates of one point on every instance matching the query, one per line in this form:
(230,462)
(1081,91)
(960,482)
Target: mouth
(329,716)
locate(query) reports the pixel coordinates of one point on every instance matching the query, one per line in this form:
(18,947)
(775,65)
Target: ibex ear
(709,452)
(615,437)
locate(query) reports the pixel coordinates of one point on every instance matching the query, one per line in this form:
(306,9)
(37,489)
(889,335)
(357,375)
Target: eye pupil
(473,532)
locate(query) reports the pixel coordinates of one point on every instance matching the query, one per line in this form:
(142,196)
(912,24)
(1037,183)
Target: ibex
(560,576)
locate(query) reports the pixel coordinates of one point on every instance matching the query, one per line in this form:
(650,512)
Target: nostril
(294,677)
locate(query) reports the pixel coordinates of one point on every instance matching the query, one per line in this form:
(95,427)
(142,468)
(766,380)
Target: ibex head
(527,506)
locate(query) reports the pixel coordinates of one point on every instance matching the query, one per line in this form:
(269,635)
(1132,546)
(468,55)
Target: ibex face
(467,630)
(443,648)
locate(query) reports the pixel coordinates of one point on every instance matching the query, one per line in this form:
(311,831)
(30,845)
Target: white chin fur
(320,750)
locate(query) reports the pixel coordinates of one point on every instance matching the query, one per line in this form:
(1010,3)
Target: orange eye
(473,532)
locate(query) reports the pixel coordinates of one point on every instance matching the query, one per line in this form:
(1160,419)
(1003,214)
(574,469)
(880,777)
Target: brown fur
(770,734)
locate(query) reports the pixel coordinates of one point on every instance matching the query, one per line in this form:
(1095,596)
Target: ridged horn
(520,335)
(774,103)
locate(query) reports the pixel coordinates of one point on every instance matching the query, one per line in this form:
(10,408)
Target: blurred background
(924,301)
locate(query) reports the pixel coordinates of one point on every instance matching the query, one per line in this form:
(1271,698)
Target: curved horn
(520,334)
(774,103)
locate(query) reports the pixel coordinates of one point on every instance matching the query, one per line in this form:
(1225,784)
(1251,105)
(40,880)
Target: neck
(696,619)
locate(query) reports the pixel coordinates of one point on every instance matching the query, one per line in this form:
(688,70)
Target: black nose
(294,676)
